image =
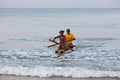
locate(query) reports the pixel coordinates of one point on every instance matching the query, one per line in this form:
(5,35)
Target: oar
(52,45)
(56,43)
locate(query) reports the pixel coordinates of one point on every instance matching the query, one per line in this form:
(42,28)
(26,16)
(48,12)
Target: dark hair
(68,29)
(61,31)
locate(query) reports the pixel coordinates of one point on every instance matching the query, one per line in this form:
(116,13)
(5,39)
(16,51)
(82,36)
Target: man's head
(61,32)
(68,31)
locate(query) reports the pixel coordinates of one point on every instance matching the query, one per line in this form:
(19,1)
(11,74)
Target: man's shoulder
(72,34)
(69,34)
(65,34)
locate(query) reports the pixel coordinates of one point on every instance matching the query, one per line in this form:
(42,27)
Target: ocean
(24,34)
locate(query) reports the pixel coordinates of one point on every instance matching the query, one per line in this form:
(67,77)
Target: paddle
(52,45)
(56,43)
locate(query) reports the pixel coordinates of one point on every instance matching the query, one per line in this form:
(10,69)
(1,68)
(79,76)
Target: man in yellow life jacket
(69,38)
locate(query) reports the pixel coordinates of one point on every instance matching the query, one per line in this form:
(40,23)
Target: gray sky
(59,3)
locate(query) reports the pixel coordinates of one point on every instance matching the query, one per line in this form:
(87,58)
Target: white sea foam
(74,72)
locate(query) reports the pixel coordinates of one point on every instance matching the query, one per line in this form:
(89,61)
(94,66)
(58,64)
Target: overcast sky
(59,3)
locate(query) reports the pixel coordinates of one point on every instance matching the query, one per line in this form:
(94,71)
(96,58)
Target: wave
(81,63)
(41,71)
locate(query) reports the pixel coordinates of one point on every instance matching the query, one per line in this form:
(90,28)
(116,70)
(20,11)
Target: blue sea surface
(24,35)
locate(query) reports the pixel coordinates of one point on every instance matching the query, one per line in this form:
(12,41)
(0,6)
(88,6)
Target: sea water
(24,35)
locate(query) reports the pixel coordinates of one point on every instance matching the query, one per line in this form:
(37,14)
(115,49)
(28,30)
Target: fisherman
(62,39)
(69,38)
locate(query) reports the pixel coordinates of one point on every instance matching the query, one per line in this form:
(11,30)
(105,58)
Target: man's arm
(55,38)
(73,39)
